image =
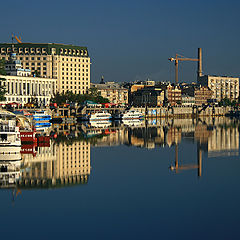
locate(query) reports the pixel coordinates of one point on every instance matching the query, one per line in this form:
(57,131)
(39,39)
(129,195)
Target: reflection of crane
(187,166)
(181,58)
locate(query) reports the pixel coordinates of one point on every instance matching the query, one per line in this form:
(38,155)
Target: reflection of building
(223,142)
(73,161)
(173,136)
(57,165)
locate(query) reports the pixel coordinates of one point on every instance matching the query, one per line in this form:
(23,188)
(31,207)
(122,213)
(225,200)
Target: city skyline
(133,40)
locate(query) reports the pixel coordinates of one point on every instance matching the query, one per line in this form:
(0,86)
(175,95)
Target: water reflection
(62,156)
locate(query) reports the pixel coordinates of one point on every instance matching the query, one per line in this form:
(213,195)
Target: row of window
(71,78)
(75,92)
(74,83)
(34,63)
(75,59)
(74,65)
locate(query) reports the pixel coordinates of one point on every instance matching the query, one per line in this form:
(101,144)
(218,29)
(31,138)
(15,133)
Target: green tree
(94,92)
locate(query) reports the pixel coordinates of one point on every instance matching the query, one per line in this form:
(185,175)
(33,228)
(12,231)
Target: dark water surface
(174,180)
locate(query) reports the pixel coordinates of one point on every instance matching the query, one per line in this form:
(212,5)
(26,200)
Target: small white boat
(100,116)
(131,114)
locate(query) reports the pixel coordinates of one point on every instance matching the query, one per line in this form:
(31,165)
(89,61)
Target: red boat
(28,136)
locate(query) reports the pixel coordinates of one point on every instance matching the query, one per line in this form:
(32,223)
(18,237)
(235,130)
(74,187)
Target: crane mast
(181,58)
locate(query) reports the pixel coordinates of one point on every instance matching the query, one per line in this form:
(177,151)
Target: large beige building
(222,87)
(69,64)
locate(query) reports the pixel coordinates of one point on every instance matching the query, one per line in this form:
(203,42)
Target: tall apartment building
(222,87)
(69,64)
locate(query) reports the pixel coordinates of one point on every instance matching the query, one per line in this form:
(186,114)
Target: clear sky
(132,40)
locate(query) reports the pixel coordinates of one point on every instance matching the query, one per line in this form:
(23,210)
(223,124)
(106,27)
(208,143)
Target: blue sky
(132,40)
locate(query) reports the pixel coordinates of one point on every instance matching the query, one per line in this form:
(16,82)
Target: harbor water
(155,179)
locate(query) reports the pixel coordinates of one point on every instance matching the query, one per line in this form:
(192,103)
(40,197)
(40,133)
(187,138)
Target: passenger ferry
(10,141)
(131,114)
(100,116)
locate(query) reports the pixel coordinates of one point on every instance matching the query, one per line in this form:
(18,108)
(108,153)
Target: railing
(6,129)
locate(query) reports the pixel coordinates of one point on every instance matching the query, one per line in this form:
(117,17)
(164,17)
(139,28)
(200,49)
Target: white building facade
(222,86)
(22,87)
(24,90)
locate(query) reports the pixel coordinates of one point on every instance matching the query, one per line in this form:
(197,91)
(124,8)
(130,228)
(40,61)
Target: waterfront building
(23,87)
(68,64)
(187,100)
(202,95)
(173,95)
(148,96)
(112,91)
(222,86)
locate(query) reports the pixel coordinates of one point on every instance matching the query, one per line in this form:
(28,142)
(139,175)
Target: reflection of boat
(9,173)
(10,142)
(131,114)
(41,120)
(99,116)
(100,124)
(132,122)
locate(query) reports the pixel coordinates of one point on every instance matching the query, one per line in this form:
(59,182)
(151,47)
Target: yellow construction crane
(181,58)
(18,39)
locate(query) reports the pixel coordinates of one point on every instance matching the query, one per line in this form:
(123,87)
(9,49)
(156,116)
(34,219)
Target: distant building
(187,100)
(69,64)
(112,91)
(148,97)
(202,95)
(222,86)
(23,88)
(173,95)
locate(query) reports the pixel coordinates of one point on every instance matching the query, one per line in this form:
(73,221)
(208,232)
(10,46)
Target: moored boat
(10,141)
(131,114)
(100,116)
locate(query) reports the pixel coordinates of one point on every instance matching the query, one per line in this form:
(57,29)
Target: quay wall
(180,112)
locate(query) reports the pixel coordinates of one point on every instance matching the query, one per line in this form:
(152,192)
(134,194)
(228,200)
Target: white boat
(131,114)
(10,173)
(10,141)
(100,124)
(133,122)
(100,116)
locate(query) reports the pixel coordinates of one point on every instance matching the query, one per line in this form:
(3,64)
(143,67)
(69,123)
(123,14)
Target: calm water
(157,180)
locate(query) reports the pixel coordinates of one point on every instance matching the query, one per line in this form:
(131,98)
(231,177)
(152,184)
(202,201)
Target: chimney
(200,74)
